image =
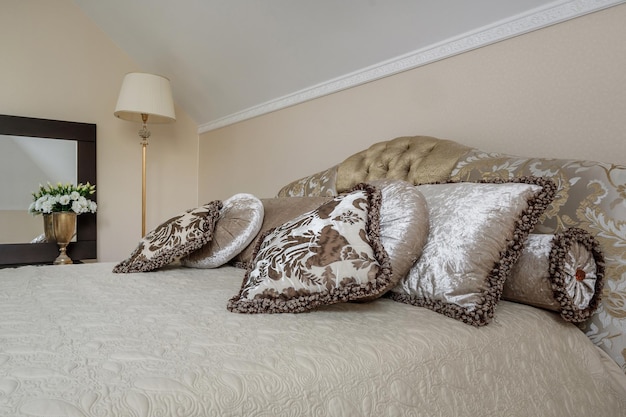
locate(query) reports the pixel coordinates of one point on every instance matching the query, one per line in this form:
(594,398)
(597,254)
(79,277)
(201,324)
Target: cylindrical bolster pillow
(562,272)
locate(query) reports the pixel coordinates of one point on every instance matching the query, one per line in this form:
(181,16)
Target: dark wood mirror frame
(85,135)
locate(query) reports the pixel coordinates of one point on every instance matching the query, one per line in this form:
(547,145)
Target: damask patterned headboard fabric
(591,196)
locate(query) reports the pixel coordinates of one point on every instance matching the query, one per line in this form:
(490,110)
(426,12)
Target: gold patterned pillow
(477,231)
(329,255)
(173,239)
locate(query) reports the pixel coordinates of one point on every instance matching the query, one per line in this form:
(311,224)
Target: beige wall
(555,92)
(57,64)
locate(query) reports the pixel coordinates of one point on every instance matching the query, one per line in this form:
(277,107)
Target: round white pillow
(240,220)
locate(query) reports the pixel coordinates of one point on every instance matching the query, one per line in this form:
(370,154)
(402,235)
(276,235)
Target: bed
(203,333)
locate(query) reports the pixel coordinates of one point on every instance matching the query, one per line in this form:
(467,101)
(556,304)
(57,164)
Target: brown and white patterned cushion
(329,255)
(277,211)
(173,239)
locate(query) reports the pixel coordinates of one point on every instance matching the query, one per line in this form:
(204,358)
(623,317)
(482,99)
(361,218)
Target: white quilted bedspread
(81,341)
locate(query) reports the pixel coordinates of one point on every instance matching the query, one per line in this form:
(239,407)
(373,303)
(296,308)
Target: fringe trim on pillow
(524,225)
(240,264)
(561,245)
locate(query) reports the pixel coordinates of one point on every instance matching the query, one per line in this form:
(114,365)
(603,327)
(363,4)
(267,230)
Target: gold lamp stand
(144,133)
(145,95)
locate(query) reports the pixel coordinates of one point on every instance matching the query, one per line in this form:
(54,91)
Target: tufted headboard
(416,160)
(591,196)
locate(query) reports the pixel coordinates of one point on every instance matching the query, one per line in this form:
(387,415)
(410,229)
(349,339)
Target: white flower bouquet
(63,197)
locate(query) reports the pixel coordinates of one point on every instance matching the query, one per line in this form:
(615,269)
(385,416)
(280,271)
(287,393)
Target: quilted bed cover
(81,341)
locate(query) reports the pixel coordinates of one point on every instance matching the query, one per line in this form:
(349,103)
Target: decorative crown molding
(550,14)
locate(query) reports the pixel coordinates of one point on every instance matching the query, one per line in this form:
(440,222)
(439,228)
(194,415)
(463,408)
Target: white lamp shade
(149,94)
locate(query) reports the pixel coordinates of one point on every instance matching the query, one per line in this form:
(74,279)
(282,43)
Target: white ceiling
(225,57)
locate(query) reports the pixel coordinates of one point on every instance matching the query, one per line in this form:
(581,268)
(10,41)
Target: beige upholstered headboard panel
(416,159)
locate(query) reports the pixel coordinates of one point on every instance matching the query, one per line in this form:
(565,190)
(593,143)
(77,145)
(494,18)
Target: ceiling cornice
(553,13)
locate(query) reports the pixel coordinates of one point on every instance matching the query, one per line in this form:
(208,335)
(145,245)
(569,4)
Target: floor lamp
(145,97)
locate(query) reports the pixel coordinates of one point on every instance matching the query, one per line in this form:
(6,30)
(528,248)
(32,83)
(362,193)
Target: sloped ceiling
(233,59)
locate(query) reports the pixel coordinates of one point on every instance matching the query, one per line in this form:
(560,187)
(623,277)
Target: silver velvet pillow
(476,234)
(240,220)
(562,272)
(403,224)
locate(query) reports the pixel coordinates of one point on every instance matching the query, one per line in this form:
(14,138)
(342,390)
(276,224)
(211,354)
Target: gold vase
(48,229)
(60,227)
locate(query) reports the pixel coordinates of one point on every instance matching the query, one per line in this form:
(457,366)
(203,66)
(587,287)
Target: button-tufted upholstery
(416,159)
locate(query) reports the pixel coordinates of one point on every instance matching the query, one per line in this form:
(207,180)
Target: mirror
(64,151)
(25,164)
